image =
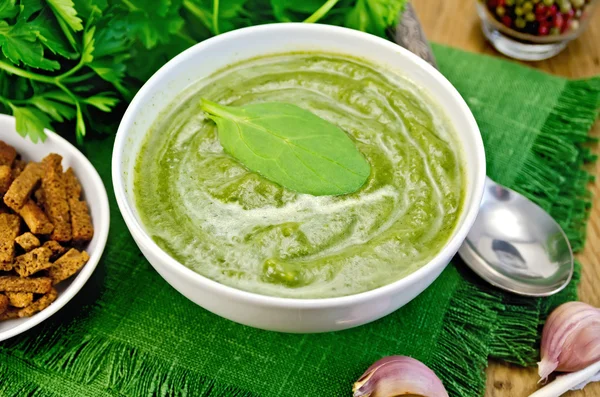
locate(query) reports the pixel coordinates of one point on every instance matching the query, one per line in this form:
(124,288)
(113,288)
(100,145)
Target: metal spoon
(515,245)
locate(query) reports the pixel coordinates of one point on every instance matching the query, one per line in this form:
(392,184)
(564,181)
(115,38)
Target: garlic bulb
(571,339)
(399,375)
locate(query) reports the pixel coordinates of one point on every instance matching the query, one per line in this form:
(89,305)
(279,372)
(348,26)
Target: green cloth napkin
(128,333)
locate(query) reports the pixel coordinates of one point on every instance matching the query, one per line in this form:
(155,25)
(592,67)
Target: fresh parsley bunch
(78,62)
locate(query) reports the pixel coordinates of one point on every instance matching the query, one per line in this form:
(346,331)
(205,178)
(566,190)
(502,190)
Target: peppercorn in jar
(533,29)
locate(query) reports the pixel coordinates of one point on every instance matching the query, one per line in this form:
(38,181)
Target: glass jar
(532,30)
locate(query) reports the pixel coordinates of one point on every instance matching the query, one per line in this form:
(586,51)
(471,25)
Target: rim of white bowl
(143,239)
(101,228)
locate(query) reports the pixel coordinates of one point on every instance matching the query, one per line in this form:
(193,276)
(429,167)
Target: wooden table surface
(455,23)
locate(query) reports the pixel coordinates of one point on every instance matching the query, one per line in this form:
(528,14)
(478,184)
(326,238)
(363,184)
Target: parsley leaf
(155,24)
(29,7)
(374,16)
(86,8)
(8,9)
(79,124)
(230,14)
(20,44)
(31,122)
(65,10)
(50,35)
(293,10)
(104,102)
(57,110)
(87,53)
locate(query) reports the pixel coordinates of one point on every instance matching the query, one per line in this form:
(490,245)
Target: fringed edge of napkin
(559,155)
(106,367)
(482,321)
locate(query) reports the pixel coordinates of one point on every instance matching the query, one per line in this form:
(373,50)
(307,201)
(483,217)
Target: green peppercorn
(520,23)
(528,6)
(519,11)
(509,3)
(555,31)
(548,2)
(565,7)
(500,11)
(530,17)
(519,2)
(536,1)
(578,3)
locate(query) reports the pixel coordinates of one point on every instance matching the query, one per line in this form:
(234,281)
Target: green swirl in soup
(233,226)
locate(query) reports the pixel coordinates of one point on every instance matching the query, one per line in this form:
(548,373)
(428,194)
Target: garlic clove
(399,375)
(570,339)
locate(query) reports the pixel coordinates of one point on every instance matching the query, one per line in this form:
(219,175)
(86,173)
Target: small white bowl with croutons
(53,226)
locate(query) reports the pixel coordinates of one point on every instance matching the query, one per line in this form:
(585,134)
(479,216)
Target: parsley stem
(26,74)
(197,12)
(71,71)
(46,79)
(78,79)
(184,36)
(130,5)
(320,13)
(216,16)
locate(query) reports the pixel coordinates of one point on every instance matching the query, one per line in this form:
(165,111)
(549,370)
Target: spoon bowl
(516,245)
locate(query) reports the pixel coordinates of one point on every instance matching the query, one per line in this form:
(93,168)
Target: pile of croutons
(44,224)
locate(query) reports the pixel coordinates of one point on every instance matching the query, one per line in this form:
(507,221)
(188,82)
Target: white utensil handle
(564,383)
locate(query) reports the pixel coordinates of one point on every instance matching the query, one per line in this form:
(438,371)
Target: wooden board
(455,23)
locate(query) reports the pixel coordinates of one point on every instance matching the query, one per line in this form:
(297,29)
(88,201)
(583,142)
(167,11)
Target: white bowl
(266,312)
(95,195)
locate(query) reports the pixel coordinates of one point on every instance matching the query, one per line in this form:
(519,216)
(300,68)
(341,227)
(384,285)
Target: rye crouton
(35,218)
(9,230)
(4,302)
(38,196)
(81,222)
(32,262)
(67,265)
(40,285)
(9,314)
(55,198)
(27,241)
(5,179)
(22,186)
(72,185)
(19,299)
(8,154)
(56,248)
(18,167)
(39,304)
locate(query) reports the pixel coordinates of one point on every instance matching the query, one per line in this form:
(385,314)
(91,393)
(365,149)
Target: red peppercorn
(541,9)
(543,30)
(492,3)
(570,14)
(559,21)
(501,2)
(553,10)
(507,20)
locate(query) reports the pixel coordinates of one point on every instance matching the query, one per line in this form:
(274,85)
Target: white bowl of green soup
(234,240)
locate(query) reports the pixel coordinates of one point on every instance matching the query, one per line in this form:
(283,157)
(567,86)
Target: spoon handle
(564,383)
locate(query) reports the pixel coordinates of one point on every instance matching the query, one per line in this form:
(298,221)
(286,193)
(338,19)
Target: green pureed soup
(231,225)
